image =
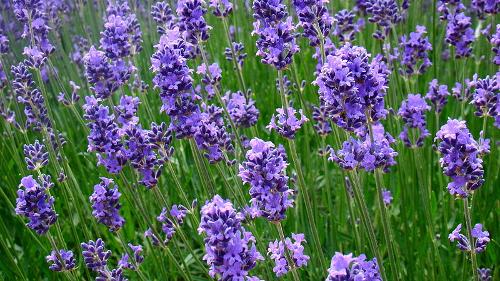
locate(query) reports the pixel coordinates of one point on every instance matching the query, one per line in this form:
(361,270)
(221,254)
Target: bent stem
(471,241)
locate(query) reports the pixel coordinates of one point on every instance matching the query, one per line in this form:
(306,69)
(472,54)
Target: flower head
(61,260)
(286,122)
(105,204)
(349,268)
(295,249)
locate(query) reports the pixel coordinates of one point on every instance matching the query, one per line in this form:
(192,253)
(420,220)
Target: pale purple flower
(95,254)
(287,121)
(387,196)
(415,51)
(482,238)
(241,109)
(412,112)
(486,98)
(61,260)
(495,45)
(137,258)
(106,205)
(349,268)
(35,156)
(437,95)
(314,18)
(276,251)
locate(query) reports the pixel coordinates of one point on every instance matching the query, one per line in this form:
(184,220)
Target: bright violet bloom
(163,16)
(192,24)
(35,156)
(349,268)
(461,158)
(483,8)
(412,112)
(211,77)
(286,122)
(459,32)
(265,170)
(485,274)
(295,249)
(34,203)
(345,27)
(486,98)
(99,73)
(277,38)
(415,53)
(437,95)
(241,109)
(495,44)
(481,237)
(314,19)
(230,249)
(350,87)
(221,8)
(65,263)
(106,205)
(385,14)
(95,254)
(137,258)
(387,196)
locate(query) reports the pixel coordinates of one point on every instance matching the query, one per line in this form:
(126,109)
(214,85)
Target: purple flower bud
(387,196)
(241,109)
(295,249)
(482,8)
(137,259)
(345,27)
(482,238)
(314,18)
(106,205)
(36,156)
(385,14)
(238,48)
(95,254)
(34,203)
(438,95)
(286,122)
(486,98)
(412,112)
(415,51)
(163,16)
(484,274)
(61,260)
(347,267)
(221,8)
(322,122)
(495,45)
(191,22)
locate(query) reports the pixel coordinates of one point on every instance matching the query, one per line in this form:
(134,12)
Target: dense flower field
(249,140)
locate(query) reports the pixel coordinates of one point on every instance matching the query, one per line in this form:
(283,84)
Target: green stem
(289,259)
(471,241)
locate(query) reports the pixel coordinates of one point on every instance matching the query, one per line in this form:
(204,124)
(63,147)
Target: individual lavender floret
(99,73)
(73,99)
(484,274)
(349,268)
(322,122)
(137,258)
(241,109)
(350,87)
(230,249)
(34,203)
(384,13)
(387,196)
(35,110)
(412,112)
(495,45)
(191,22)
(481,237)
(106,205)
(221,8)
(286,122)
(95,255)
(438,95)
(211,134)
(265,170)
(211,77)
(36,156)
(178,212)
(276,251)
(486,98)
(345,27)
(461,158)
(314,18)
(66,262)
(238,48)
(415,55)
(276,44)
(163,16)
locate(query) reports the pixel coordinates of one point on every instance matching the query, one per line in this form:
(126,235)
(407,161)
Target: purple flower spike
(34,203)
(241,109)
(99,73)
(485,274)
(412,112)
(486,98)
(66,262)
(321,120)
(138,258)
(191,22)
(211,77)
(349,268)
(459,32)
(314,19)
(495,44)
(385,14)
(95,255)
(163,16)
(105,204)
(230,249)
(238,51)
(265,170)
(286,122)
(460,158)
(438,95)
(345,27)
(36,156)
(416,49)
(482,8)
(295,249)
(221,8)
(481,237)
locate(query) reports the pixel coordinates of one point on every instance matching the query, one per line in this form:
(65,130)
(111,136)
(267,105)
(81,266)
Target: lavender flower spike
(286,122)
(36,156)
(438,95)
(481,237)
(277,253)
(66,261)
(95,254)
(105,204)
(412,112)
(349,268)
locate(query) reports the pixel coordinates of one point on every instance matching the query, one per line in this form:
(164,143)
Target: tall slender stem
(289,259)
(471,241)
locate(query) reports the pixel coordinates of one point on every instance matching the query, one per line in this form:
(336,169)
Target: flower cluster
(345,27)
(61,260)
(211,134)
(104,78)
(321,121)
(241,109)
(168,226)
(484,274)
(35,26)
(349,268)
(461,158)
(34,203)
(384,13)
(211,76)
(387,196)
(314,19)
(412,111)
(35,156)
(495,45)
(459,32)
(137,258)
(486,98)
(265,170)
(276,251)
(482,8)
(277,38)
(106,205)
(286,122)
(192,24)
(238,48)
(437,95)
(230,249)
(416,47)
(221,8)
(96,258)
(365,154)
(173,78)
(352,88)
(163,16)
(121,24)
(73,98)
(481,237)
